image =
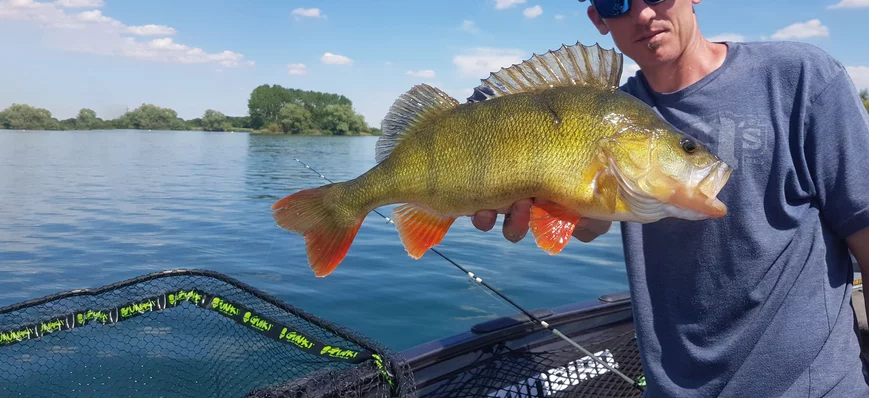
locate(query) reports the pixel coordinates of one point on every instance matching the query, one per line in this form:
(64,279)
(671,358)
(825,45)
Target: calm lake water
(82,209)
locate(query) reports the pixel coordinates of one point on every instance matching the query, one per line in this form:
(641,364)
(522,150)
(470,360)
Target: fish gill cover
(186,333)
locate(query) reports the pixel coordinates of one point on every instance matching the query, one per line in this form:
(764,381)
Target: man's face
(651,34)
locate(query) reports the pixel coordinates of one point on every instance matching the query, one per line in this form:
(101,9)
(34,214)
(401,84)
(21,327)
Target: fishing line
(480,281)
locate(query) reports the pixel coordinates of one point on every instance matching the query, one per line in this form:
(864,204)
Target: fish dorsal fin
(420,101)
(569,65)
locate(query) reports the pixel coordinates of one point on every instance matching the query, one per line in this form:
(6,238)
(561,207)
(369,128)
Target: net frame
(40,338)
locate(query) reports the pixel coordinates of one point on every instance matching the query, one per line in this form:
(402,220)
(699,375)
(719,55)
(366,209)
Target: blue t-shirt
(758,303)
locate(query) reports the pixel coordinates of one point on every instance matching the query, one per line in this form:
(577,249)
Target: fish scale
(556,128)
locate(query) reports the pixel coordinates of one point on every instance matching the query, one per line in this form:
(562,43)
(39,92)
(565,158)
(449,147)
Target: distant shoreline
(239,130)
(271,110)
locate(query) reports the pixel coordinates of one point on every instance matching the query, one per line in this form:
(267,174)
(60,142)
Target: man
(757,303)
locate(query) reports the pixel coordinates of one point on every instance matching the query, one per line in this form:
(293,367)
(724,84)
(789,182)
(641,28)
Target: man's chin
(658,54)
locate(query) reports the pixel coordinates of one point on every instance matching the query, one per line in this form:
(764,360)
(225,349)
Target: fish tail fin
(328,231)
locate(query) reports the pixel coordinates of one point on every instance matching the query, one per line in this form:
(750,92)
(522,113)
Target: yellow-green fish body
(557,128)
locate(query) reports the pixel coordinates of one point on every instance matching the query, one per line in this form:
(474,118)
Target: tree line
(271,109)
(864,95)
(293,111)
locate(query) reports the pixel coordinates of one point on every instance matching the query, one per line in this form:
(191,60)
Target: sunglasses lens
(611,8)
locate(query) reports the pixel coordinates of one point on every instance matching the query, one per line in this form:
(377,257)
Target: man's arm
(858,243)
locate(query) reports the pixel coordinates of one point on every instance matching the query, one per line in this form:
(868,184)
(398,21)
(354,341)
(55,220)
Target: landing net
(186,333)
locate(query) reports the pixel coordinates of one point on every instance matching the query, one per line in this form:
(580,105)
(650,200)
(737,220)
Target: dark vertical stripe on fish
(428,140)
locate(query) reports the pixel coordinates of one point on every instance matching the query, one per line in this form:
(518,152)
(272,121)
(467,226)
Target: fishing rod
(480,281)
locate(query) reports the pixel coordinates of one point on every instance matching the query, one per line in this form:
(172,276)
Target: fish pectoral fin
(552,226)
(420,229)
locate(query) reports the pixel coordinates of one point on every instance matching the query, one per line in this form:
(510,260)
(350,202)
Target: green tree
(864,95)
(239,121)
(295,119)
(213,120)
(151,117)
(342,120)
(264,104)
(87,120)
(26,117)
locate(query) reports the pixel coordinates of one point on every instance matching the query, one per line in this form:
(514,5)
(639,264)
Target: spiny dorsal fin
(577,64)
(406,111)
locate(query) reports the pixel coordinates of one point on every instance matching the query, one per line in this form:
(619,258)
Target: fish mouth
(702,198)
(694,200)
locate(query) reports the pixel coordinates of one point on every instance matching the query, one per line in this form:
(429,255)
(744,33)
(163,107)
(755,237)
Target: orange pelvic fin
(327,238)
(552,226)
(420,229)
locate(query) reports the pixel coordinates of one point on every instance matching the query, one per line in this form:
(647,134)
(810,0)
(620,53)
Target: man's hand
(516,222)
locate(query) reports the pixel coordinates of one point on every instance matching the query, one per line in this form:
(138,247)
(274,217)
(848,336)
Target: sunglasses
(615,8)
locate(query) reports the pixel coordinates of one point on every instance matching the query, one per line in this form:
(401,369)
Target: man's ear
(597,20)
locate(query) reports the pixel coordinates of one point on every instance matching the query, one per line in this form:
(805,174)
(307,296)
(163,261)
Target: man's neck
(700,58)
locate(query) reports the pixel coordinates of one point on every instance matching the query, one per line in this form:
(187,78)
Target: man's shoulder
(787,56)
(775,62)
(793,69)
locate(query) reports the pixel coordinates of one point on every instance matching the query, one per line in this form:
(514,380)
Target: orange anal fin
(420,229)
(552,226)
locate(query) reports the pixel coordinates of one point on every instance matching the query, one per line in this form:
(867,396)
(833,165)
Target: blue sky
(110,55)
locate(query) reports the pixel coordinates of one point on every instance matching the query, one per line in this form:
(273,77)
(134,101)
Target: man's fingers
(484,220)
(516,221)
(588,229)
(584,235)
(518,215)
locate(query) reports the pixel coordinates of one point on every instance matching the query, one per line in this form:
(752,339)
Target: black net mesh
(186,334)
(555,369)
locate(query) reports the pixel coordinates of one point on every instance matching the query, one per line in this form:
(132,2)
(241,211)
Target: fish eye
(688,145)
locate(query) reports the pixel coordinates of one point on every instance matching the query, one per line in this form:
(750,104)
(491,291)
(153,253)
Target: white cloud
(802,30)
(859,75)
(533,12)
(502,4)
(98,17)
(479,62)
(335,59)
(300,13)
(628,70)
(93,32)
(469,26)
(426,74)
(727,37)
(166,49)
(850,4)
(151,30)
(80,3)
(559,17)
(297,69)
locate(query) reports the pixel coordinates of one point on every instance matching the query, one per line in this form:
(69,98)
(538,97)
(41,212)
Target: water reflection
(85,209)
